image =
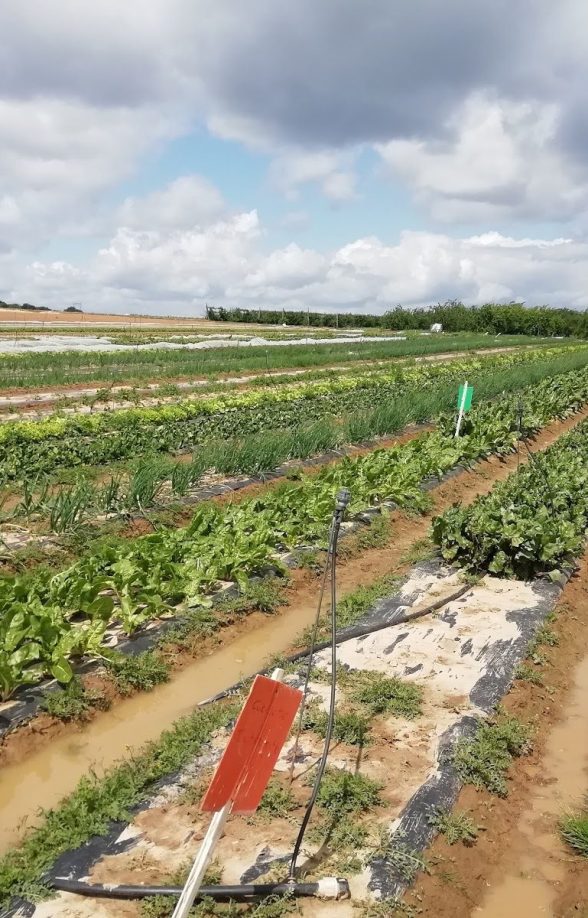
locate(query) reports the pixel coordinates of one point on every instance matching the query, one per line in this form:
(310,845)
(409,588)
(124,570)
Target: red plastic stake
(254,747)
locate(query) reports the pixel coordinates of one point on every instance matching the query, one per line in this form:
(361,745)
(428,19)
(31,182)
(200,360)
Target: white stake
(209,843)
(461,409)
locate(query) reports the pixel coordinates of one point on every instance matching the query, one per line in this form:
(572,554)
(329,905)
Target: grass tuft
(574,830)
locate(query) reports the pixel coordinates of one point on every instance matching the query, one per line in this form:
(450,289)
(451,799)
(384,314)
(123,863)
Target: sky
(159,155)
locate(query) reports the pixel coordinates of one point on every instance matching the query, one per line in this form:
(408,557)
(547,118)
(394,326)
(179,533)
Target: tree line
(494,318)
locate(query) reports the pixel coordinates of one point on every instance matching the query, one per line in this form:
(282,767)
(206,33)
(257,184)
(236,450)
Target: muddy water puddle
(54,770)
(533,883)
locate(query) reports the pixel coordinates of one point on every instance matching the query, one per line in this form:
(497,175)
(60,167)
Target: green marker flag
(464,397)
(464,403)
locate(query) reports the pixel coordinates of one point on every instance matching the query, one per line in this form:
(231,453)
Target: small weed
(277,801)
(381,694)
(356,604)
(574,830)
(456,826)
(350,726)
(197,624)
(485,759)
(375,535)
(395,852)
(344,792)
(74,702)
(384,908)
(311,560)
(545,635)
(527,672)
(265,595)
(139,673)
(421,550)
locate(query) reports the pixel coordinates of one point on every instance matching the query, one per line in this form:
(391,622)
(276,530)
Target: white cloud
(289,269)
(189,201)
(179,271)
(194,264)
(57,158)
(329,169)
(499,161)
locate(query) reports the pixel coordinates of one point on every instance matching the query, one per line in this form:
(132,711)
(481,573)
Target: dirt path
(519,868)
(50,770)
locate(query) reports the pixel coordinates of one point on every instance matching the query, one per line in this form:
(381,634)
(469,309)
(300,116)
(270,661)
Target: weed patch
(74,702)
(139,673)
(376,535)
(265,595)
(350,726)
(344,792)
(352,607)
(528,672)
(456,826)
(485,759)
(421,550)
(277,801)
(382,694)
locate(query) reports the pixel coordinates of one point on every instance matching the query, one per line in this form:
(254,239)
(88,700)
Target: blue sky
(342,156)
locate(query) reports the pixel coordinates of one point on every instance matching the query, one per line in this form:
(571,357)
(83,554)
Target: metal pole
(209,843)
(461,409)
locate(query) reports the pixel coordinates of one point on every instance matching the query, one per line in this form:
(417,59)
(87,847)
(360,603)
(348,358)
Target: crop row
(28,370)
(533,523)
(45,620)
(32,447)
(156,479)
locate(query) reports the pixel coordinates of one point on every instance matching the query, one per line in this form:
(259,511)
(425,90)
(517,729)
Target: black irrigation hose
(363,631)
(218,893)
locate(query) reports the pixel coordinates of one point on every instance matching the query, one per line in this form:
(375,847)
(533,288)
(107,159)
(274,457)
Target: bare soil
(34,319)
(520,842)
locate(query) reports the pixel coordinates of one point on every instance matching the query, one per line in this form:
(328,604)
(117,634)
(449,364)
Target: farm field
(164,521)
(30,370)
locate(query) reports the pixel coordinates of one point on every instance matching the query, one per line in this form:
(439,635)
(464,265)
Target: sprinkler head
(343,498)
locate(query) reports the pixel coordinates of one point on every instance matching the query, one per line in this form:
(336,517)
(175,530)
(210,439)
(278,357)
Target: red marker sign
(254,747)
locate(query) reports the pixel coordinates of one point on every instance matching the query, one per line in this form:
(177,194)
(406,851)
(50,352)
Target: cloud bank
(476,110)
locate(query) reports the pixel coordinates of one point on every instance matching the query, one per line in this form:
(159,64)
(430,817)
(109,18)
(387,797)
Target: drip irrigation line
(330,887)
(314,633)
(343,498)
